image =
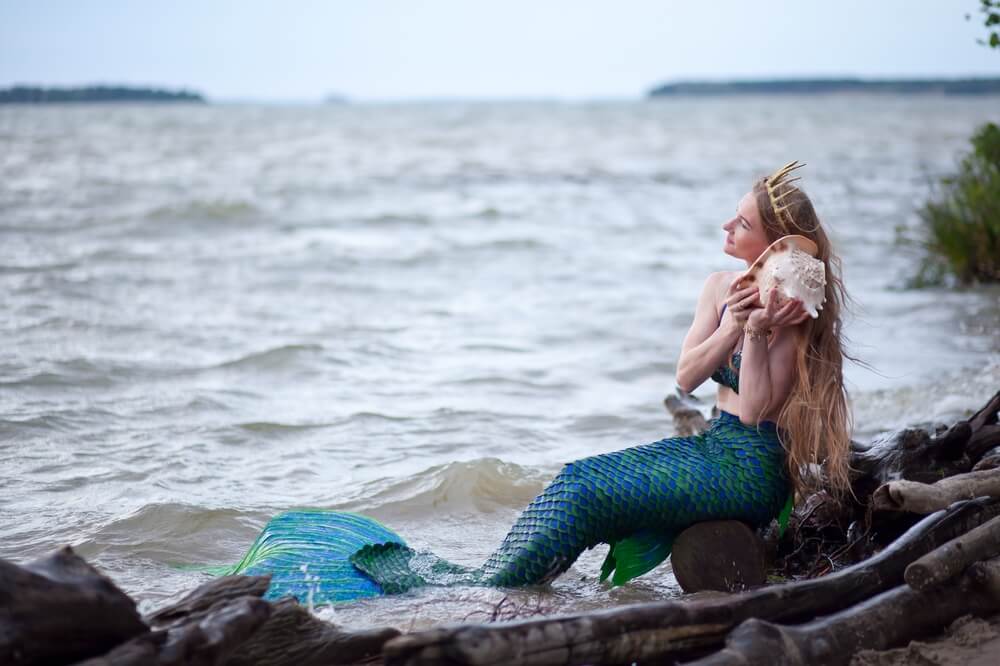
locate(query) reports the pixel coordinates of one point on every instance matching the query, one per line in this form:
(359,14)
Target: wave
(8,269)
(501,380)
(641,370)
(273,428)
(495,346)
(276,357)
(67,421)
(504,244)
(482,485)
(177,533)
(73,372)
(205,210)
(180,533)
(106,372)
(41,379)
(394,219)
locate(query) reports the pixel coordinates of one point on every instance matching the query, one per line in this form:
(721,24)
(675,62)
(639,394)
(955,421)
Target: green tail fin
(785,513)
(635,555)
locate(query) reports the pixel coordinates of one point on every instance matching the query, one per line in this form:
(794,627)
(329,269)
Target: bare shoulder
(724,277)
(719,280)
(717,284)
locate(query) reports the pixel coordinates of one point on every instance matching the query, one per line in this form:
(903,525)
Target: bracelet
(756,333)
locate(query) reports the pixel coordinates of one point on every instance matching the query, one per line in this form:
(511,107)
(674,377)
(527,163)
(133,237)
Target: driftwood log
(205,640)
(686,412)
(924,498)
(926,454)
(884,621)
(825,534)
(724,555)
(990,460)
(946,562)
(204,597)
(293,636)
(681,629)
(290,636)
(59,609)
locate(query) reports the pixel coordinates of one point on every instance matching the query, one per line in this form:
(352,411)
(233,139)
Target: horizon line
(335,97)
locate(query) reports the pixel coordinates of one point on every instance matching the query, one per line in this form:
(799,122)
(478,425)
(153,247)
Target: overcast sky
(402,49)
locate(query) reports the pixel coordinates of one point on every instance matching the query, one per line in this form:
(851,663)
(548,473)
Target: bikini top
(729,375)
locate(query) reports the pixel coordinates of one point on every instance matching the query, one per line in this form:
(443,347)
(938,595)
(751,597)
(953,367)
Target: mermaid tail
(637,500)
(307,553)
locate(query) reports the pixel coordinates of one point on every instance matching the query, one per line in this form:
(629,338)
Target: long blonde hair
(816,418)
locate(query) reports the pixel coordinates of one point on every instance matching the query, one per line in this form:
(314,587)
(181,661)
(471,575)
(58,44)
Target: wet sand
(968,641)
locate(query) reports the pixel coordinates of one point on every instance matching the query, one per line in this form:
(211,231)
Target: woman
(788,369)
(784,409)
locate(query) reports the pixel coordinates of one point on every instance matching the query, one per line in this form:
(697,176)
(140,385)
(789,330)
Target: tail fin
(308,553)
(635,555)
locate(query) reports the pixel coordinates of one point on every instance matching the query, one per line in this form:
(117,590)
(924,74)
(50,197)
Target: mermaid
(770,337)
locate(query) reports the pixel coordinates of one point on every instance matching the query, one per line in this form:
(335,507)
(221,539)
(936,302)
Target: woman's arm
(765,376)
(768,372)
(707,343)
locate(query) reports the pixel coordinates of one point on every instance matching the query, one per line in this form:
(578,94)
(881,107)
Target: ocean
(416,311)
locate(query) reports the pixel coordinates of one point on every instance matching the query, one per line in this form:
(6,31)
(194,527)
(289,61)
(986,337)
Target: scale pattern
(646,492)
(306,552)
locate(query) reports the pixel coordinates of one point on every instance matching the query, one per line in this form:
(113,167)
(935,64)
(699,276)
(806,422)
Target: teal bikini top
(729,374)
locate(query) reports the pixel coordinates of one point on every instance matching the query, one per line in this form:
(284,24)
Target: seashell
(790,264)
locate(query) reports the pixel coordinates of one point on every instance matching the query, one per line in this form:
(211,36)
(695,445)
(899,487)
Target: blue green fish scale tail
(307,553)
(644,495)
(637,500)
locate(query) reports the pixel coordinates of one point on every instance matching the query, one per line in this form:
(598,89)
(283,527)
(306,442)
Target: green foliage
(990,9)
(961,229)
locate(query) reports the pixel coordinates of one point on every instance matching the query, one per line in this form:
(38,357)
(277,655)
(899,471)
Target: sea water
(211,314)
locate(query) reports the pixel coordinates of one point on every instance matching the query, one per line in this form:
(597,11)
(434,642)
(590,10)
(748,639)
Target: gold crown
(780,202)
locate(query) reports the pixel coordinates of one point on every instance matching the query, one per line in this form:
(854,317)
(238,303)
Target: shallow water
(419,312)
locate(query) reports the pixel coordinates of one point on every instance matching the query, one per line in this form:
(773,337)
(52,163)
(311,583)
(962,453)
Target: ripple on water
(474,486)
(275,358)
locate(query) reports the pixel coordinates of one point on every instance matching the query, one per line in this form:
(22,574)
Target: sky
(383,50)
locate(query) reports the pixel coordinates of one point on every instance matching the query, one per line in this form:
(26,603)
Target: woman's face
(745,235)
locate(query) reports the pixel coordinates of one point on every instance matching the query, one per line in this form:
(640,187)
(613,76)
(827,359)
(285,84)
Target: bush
(961,230)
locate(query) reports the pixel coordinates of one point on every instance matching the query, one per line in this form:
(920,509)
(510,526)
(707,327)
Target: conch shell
(790,264)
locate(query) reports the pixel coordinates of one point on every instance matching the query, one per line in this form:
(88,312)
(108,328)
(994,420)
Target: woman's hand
(740,302)
(772,316)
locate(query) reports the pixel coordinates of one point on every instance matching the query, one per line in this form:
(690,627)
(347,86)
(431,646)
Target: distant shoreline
(969,86)
(90,94)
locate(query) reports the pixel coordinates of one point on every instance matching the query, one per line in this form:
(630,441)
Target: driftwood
(682,628)
(952,558)
(990,460)
(290,636)
(825,534)
(925,498)
(205,641)
(724,555)
(924,454)
(295,637)
(204,597)
(986,438)
(985,426)
(59,609)
(884,621)
(686,412)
